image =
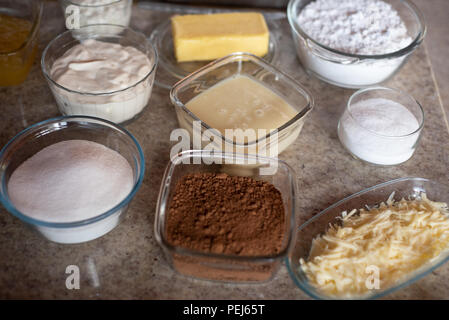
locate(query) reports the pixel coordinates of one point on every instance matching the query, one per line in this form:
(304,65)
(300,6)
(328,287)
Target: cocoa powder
(230,215)
(225,214)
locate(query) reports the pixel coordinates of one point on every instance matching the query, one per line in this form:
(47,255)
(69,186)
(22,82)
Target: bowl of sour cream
(104,71)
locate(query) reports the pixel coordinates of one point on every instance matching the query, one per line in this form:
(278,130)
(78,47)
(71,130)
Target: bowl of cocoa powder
(216,225)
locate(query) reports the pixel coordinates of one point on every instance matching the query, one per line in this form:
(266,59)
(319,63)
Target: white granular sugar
(70,181)
(367,27)
(392,123)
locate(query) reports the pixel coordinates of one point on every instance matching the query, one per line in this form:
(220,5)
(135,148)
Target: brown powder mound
(226,214)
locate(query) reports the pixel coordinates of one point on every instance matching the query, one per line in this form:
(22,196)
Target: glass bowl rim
(397,91)
(4,200)
(267,67)
(71,2)
(398,53)
(414,276)
(59,36)
(34,29)
(162,202)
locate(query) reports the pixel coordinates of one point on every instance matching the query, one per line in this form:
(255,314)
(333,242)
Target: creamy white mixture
(71,181)
(101,67)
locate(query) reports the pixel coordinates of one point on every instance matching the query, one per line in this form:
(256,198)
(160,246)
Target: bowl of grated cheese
(373,242)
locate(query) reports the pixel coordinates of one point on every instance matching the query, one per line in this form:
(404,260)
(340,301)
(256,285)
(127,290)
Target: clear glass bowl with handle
(404,187)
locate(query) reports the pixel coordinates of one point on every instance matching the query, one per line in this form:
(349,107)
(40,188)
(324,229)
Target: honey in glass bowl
(18,39)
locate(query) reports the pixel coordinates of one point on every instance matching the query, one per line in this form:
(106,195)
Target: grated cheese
(396,237)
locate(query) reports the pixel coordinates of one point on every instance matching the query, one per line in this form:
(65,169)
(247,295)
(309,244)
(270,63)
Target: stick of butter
(200,37)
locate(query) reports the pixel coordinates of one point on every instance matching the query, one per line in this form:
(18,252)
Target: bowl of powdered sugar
(355,43)
(71,178)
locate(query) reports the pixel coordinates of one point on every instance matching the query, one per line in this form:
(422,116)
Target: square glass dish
(215,266)
(402,188)
(262,72)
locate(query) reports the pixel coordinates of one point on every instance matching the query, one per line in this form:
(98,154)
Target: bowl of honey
(19,29)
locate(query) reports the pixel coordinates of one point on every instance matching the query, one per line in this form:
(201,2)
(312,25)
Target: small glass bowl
(16,65)
(78,14)
(171,71)
(373,147)
(45,133)
(352,70)
(403,188)
(256,68)
(221,267)
(121,106)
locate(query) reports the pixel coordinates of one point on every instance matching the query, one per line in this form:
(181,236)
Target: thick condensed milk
(241,102)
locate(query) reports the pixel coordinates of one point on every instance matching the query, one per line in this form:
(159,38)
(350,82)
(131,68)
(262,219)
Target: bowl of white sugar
(71,178)
(355,43)
(381,125)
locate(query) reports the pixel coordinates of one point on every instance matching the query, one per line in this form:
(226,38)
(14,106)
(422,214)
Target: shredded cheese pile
(395,237)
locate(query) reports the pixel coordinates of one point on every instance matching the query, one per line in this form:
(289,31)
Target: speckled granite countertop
(127,263)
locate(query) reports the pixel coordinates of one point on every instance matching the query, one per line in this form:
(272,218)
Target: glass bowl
(371,146)
(353,70)
(45,133)
(403,187)
(121,106)
(222,267)
(171,71)
(259,70)
(15,65)
(80,13)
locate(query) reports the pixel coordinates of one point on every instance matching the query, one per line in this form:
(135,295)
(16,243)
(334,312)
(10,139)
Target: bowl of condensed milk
(241,103)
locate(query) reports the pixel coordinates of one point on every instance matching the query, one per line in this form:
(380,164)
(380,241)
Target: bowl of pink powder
(355,43)
(71,178)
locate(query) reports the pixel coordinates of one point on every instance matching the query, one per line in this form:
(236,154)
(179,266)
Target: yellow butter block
(200,37)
